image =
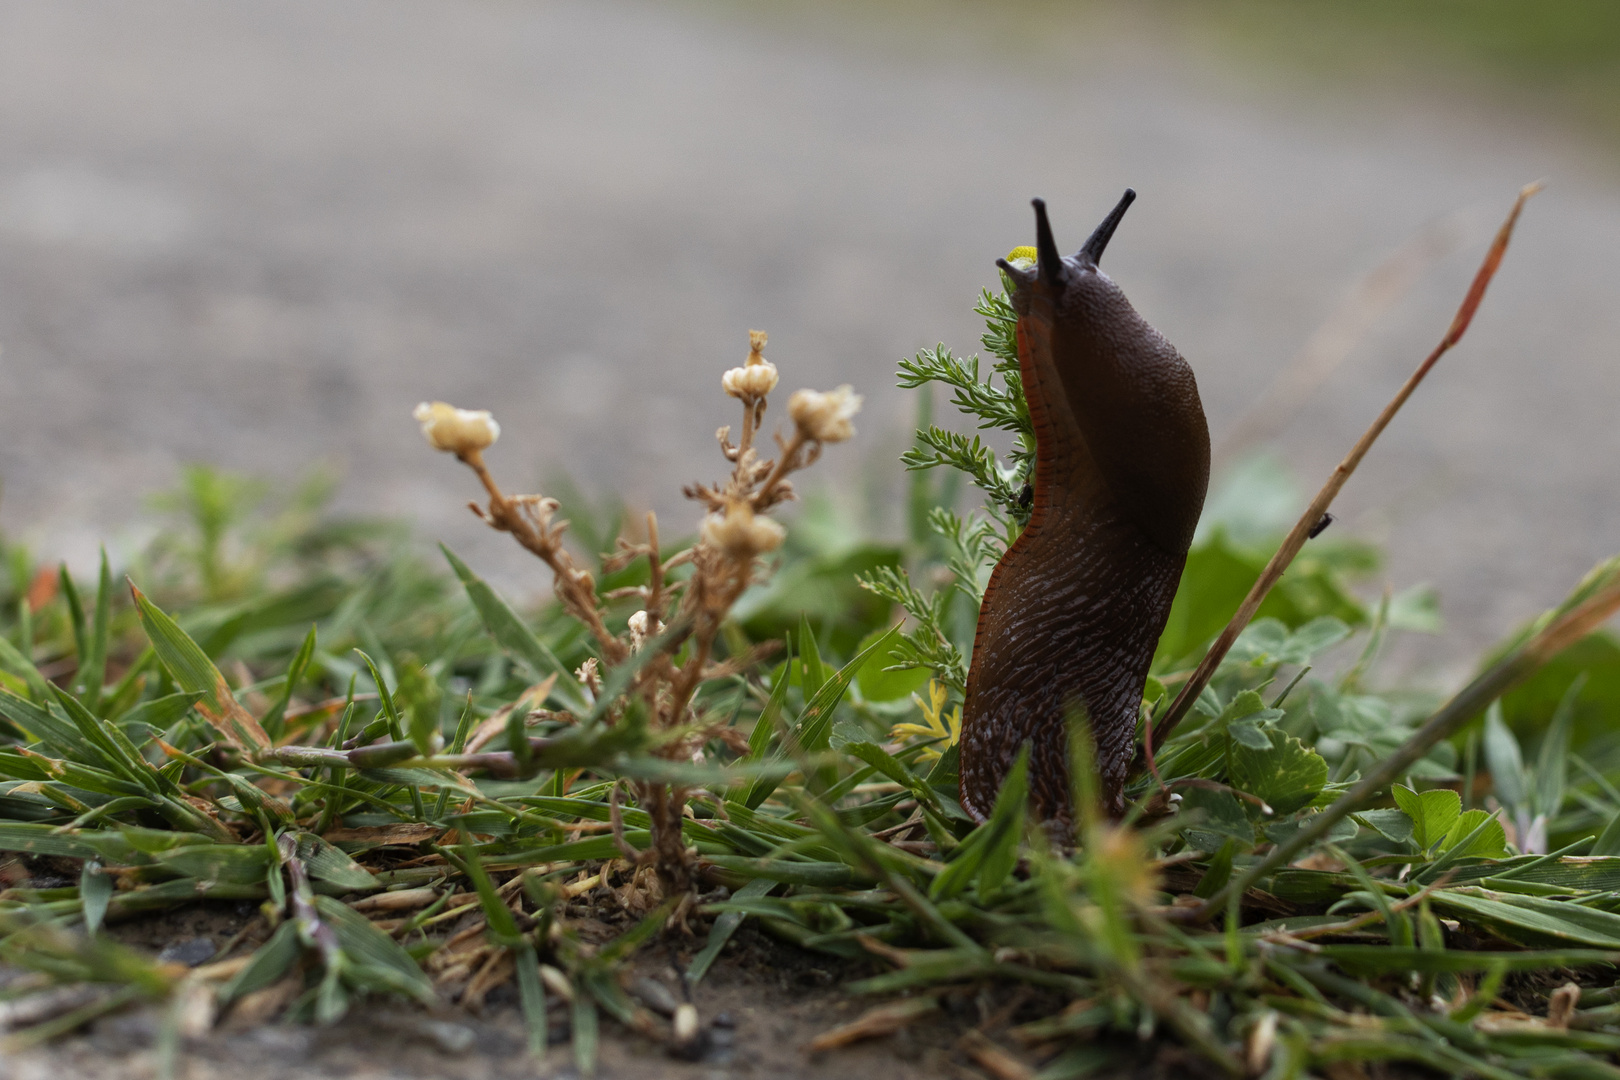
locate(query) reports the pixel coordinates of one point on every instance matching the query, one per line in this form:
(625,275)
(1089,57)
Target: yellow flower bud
(825,417)
(1025,255)
(456,431)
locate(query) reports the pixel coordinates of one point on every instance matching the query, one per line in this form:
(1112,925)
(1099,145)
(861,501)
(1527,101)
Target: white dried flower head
(642,627)
(456,431)
(757,377)
(825,417)
(742,533)
(751,381)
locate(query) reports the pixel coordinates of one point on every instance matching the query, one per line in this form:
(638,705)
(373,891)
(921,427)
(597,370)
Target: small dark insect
(1321,526)
(1026,497)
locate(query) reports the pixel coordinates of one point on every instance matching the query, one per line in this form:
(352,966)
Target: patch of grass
(430,793)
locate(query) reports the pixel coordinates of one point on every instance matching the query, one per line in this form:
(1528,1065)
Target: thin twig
(1324,498)
(1338,335)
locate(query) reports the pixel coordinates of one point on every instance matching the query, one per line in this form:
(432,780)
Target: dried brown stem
(1301,532)
(574,587)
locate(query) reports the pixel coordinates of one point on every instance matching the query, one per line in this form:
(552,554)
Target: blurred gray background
(257,234)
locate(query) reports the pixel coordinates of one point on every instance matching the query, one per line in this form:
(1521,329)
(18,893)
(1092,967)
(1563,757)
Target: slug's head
(1053,274)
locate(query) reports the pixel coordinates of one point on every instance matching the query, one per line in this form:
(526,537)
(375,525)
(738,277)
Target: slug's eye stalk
(1047,260)
(1093,249)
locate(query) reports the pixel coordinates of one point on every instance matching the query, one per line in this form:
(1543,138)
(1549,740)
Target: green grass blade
(724,926)
(513,635)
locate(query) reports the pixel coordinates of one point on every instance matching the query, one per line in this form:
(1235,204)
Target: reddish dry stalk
(1313,514)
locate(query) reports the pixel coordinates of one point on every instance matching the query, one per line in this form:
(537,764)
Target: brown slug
(1074,609)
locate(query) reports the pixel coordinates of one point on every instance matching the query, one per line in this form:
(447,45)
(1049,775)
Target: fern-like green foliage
(960,551)
(994,407)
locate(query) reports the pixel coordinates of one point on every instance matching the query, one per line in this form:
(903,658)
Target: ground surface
(760,1007)
(258,234)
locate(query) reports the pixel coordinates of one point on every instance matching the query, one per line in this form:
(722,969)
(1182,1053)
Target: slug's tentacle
(1074,610)
(1092,251)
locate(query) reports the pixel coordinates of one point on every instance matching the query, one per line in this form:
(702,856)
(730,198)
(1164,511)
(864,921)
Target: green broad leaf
(333,865)
(1286,776)
(1212,817)
(1245,703)
(725,926)
(1490,844)
(269,963)
(191,669)
(514,635)
(1393,825)
(1433,813)
(1249,734)
(95,891)
(876,684)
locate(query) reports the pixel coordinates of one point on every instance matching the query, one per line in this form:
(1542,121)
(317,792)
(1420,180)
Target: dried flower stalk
(733,537)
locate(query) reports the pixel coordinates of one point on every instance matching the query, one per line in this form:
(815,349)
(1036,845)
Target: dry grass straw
(1307,522)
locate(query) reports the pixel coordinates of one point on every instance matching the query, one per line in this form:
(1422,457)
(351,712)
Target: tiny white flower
(456,431)
(825,417)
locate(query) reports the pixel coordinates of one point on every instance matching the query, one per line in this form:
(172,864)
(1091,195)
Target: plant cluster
(429,794)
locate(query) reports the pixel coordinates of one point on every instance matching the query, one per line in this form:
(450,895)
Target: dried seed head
(456,431)
(825,417)
(752,381)
(740,532)
(757,377)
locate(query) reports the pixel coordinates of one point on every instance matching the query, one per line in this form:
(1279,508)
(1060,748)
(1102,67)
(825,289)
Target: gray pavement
(257,234)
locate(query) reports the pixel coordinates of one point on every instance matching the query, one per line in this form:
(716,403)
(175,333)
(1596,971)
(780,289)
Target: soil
(760,1006)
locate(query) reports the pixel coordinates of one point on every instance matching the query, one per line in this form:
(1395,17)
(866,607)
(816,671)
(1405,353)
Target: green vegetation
(422,796)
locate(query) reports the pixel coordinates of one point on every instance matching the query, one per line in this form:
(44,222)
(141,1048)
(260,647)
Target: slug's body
(1074,610)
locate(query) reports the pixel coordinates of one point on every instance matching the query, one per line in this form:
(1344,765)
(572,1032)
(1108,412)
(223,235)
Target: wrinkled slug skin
(1074,610)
